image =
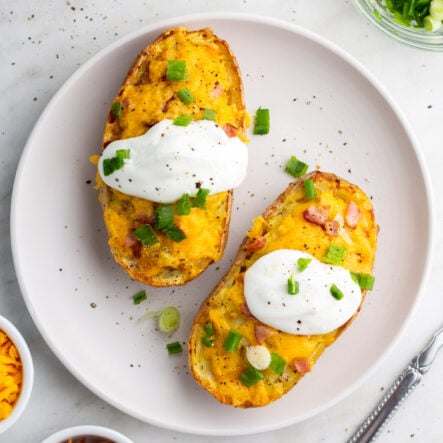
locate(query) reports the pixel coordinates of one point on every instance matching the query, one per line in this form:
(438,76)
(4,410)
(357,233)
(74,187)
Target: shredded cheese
(11,375)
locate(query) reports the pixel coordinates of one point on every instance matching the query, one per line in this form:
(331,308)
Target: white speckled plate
(325,109)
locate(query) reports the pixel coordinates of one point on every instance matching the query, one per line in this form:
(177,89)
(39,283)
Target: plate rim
(185,20)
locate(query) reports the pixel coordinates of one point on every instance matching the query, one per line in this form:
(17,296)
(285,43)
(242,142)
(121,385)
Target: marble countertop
(43,43)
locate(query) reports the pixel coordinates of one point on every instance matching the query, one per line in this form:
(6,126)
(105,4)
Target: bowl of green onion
(418,23)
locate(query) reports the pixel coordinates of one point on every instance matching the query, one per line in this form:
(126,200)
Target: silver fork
(371,428)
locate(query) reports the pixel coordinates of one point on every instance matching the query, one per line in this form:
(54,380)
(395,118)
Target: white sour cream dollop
(169,161)
(313,310)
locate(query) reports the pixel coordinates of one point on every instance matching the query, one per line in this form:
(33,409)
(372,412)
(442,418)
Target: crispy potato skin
(283,226)
(147,98)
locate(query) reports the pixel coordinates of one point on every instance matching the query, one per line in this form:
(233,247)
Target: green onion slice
(169,319)
(335,254)
(183,206)
(199,200)
(251,376)
(115,163)
(232,341)
(277,364)
(209,329)
(182,120)
(309,188)
(112,164)
(303,263)
(146,235)
(335,292)
(116,110)
(365,281)
(164,217)
(139,297)
(174,348)
(174,233)
(185,96)
(123,153)
(208,341)
(209,114)
(262,122)
(293,286)
(296,167)
(176,71)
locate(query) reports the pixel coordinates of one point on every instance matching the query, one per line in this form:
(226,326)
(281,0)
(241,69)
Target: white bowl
(28,373)
(89,431)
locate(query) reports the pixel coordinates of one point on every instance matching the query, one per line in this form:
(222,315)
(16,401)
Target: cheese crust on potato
(145,98)
(289,223)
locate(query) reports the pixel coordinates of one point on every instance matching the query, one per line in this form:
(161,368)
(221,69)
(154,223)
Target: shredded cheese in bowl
(16,374)
(11,375)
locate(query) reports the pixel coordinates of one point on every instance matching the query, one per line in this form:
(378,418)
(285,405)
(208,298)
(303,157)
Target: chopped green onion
(303,263)
(116,110)
(185,96)
(183,206)
(199,200)
(309,188)
(251,376)
(182,120)
(296,167)
(176,71)
(123,153)
(335,254)
(174,348)
(209,114)
(365,281)
(426,14)
(146,235)
(232,341)
(112,164)
(431,24)
(293,286)
(164,217)
(139,297)
(208,341)
(174,233)
(262,122)
(335,292)
(169,319)
(277,363)
(209,329)
(115,163)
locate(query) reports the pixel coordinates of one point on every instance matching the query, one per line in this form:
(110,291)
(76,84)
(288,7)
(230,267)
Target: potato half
(145,98)
(284,225)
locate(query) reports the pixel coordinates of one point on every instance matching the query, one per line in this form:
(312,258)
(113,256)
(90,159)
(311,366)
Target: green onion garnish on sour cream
(117,162)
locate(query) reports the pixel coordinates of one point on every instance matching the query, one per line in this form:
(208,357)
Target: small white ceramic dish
(76,432)
(28,373)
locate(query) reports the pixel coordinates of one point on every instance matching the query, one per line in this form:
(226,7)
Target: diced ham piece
(332,227)
(301,365)
(231,131)
(217,91)
(130,241)
(245,311)
(257,244)
(263,332)
(352,215)
(316,214)
(145,219)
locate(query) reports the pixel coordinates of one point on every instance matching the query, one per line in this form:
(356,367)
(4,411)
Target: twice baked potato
(146,97)
(340,214)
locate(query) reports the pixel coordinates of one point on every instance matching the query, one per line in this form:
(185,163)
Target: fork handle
(371,428)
